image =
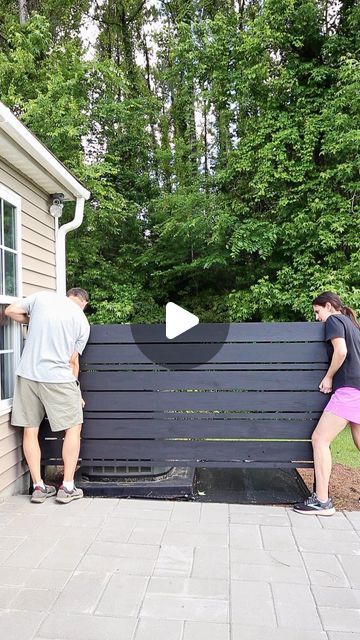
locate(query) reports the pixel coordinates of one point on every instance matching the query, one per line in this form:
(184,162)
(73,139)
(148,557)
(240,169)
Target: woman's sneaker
(64,495)
(40,494)
(314,506)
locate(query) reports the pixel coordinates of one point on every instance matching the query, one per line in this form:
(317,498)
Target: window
(10,290)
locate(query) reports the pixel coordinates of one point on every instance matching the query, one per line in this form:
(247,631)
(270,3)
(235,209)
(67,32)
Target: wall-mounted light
(57,203)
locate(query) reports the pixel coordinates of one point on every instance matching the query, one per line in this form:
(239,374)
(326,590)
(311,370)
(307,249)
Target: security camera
(57,203)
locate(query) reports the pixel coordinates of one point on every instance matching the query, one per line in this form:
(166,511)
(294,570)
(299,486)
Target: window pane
(6,375)
(9,225)
(1,272)
(10,274)
(1,221)
(6,333)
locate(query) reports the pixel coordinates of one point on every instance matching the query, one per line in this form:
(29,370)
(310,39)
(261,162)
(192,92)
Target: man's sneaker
(312,505)
(39,494)
(64,495)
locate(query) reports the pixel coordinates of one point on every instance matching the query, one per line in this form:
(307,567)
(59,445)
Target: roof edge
(30,143)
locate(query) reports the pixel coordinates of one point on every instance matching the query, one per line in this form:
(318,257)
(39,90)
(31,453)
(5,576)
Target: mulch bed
(344,486)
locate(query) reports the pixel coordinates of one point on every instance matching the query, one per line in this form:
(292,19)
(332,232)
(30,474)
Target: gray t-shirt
(57,328)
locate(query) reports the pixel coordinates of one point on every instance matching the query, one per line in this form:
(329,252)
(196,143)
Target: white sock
(69,485)
(39,484)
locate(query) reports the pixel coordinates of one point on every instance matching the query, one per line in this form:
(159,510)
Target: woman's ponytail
(350,313)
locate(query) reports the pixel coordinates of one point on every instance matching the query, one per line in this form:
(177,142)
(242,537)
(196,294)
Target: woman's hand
(82,402)
(325,385)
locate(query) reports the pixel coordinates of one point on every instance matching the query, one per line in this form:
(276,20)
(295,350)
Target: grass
(344,451)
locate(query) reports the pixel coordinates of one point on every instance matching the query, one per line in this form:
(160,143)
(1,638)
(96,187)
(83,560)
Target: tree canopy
(220,142)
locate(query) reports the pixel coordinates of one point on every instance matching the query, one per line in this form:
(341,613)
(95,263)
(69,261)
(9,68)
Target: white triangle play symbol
(178,320)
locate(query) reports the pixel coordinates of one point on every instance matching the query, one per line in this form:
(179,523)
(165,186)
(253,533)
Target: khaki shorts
(60,401)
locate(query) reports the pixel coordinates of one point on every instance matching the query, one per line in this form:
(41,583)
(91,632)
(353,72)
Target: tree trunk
(23,12)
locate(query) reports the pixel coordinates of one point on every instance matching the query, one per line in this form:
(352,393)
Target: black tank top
(340,326)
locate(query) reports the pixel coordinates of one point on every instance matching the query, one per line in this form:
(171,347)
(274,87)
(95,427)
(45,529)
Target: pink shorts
(345,403)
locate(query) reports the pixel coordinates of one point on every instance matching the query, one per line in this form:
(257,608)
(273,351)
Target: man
(46,381)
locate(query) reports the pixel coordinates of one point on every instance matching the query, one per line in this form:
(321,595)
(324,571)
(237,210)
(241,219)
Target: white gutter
(60,245)
(34,148)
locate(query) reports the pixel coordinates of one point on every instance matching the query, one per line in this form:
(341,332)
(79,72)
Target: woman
(342,334)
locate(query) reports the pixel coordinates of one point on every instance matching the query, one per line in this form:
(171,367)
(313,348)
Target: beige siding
(13,469)
(38,273)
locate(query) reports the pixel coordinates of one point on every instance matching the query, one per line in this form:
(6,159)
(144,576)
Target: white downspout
(60,234)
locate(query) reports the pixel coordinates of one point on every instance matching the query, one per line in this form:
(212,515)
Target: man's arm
(17,313)
(339,355)
(74,364)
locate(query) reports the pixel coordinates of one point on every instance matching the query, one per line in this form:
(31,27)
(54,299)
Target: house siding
(38,273)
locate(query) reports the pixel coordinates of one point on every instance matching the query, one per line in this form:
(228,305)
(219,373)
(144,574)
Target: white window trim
(15,200)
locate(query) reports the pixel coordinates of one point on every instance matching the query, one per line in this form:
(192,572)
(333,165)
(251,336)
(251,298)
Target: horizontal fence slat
(212,366)
(219,380)
(192,401)
(190,354)
(122,429)
(181,452)
(214,332)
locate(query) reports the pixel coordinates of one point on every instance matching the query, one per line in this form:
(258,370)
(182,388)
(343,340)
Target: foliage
(220,142)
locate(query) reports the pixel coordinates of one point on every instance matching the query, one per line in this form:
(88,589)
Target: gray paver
(19,625)
(172,607)
(337,597)
(211,513)
(149,629)
(269,573)
(342,635)
(276,557)
(241,632)
(194,587)
(215,540)
(123,596)
(82,627)
(13,576)
(280,520)
(34,600)
(47,579)
(351,566)
(174,561)
(210,565)
(10,543)
(300,521)
(121,550)
(66,554)
(277,538)
(354,518)
(203,527)
(327,541)
(30,552)
(111,564)
(325,569)
(186,511)
(7,594)
(4,555)
(288,598)
(116,530)
(206,631)
(337,521)
(245,536)
(340,619)
(81,593)
(245,599)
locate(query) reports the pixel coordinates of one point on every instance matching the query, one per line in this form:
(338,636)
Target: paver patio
(143,569)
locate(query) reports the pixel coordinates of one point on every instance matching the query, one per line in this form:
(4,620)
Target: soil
(344,486)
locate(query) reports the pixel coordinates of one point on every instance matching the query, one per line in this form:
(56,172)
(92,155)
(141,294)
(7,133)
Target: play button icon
(178,320)
(180,343)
